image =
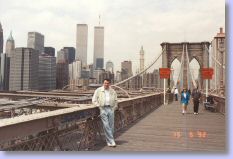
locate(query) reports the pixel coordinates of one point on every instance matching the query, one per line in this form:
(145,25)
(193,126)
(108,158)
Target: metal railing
(219,102)
(71,129)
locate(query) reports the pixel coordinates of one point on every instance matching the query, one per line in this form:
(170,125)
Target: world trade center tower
(98,47)
(81,43)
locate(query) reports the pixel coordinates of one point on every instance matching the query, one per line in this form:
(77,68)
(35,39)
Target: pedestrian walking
(196,96)
(184,100)
(176,92)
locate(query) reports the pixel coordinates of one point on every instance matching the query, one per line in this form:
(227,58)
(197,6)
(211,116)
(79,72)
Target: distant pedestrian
(168,90)
(184,100)
(189,91)
(196,96)
(105,98)
(176,92)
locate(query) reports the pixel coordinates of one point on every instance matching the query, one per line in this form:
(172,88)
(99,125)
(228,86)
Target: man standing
(105,98)
(196,96)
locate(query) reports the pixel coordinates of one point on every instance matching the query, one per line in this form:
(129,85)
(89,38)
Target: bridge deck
(166,129)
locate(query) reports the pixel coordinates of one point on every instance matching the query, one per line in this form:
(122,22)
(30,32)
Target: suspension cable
(182,59)
(223,66)
(141,72)
(187,66)
(193,81)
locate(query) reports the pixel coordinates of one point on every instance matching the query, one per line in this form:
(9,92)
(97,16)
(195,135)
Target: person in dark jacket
(189,91)
(196,96)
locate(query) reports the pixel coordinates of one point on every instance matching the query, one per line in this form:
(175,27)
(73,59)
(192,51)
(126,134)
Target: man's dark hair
(107,79)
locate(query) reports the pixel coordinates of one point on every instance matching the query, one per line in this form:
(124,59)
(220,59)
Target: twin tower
(81,45)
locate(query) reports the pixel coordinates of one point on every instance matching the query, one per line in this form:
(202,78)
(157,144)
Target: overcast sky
(129,24)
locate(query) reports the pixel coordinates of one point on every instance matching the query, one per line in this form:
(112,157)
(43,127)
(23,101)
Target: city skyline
(128,24)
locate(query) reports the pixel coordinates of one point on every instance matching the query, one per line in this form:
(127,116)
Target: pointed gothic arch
(197,50)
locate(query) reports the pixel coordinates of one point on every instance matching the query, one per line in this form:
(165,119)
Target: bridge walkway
(166,129)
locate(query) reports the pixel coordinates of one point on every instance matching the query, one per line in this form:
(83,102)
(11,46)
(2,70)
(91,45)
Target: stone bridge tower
(197,50)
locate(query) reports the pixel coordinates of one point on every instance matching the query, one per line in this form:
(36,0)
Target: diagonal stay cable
(141,71)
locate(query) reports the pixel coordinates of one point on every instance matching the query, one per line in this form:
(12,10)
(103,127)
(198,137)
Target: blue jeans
(107,117)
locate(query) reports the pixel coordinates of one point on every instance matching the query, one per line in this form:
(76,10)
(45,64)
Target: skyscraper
(118,76)
(75,70)
(62,74)
(126,69)
(62,69)
(62,56)
(10,45)
(97,75)
(47,72)
(36,41)
(141,59)
(1,39)
(90,67)
(98,47)
(71,53)
(24,65)
(4,72)
(49,51)
(109,66)
(9,49)
(81,43)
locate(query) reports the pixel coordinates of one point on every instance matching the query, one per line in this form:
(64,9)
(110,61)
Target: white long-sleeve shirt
(107,97)
(176,91)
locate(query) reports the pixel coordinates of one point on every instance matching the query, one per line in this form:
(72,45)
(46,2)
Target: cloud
(129,24)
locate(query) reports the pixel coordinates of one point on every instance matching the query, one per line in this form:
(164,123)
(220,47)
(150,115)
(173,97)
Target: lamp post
(221,50)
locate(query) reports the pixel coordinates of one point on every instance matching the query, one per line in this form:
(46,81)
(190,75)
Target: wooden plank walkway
(166,129)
